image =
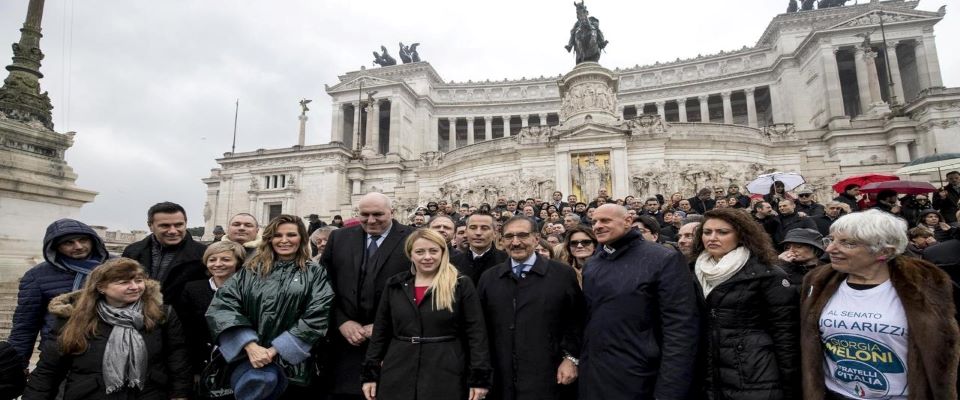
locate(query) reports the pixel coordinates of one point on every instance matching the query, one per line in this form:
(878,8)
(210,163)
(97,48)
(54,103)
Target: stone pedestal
(36,188)
(588,95)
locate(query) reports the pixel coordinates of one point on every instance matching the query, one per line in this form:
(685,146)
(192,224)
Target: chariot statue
(385,59)
(586,39)
(408,54)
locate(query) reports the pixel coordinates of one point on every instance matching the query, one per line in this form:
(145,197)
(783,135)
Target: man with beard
(71,249)
(526,299)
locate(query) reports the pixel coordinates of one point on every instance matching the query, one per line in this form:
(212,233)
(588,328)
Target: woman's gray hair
(874,228)
(320,231)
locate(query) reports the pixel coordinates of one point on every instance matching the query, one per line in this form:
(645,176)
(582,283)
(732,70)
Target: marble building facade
(813,95)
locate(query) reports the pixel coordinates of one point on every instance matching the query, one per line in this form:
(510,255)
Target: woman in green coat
(271,313)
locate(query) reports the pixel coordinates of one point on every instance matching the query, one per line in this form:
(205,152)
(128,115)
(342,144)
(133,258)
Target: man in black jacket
(640,339)
(169,254)
(833,211)
(790,220)
(481,254)
(807,205)
(359,260)
(525,300)
(702,202)
(946,199)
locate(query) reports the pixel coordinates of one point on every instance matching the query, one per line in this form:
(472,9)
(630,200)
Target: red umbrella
(863,179)
(904,187)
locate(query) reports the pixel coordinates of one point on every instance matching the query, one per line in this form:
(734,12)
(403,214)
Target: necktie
(518,270)
(372,248)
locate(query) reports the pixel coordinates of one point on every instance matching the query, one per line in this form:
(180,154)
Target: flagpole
(236,112)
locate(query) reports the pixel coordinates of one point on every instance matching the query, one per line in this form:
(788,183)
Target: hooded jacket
(168,370)
(45,281)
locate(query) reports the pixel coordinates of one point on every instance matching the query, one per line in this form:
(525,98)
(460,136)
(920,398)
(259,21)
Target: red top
(419,292)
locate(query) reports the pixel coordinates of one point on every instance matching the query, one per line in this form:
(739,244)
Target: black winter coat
(355,300)
(752,328)
(187,265)
(194,301)
(42,283)
(850,201)
(640,338)
(532,324)
(168,368)
(427,371)
(789,223)
(475,267)
(947,206)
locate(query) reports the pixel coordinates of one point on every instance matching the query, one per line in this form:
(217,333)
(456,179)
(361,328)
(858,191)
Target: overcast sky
(150,86)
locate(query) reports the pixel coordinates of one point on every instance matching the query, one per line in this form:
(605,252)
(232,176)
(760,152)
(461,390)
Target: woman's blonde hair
(445,282)
(263,261)
(225,247)
(83,321)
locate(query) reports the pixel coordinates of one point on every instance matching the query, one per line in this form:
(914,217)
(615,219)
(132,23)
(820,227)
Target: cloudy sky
(150,86)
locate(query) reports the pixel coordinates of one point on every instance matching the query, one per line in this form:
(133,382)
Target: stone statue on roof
(586,39)
(385,59)
(408,54)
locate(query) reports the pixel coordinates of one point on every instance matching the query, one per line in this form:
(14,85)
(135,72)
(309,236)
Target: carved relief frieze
(587,96)
(646,124)
(780,132)
(536,134)
(431,158)
(676,176)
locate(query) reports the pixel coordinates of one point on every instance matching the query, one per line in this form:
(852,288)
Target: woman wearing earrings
(429,339)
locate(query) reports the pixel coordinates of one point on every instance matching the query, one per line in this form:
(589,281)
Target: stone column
(863,84)
(488,128)
(923,71)
(303,130)
(356,126)
(751,108)
(903,151)
(662,110)
(452,134)
(619,113)
(682,109)
(543,119)
(727,108)
(933,60)
(470,130)
(394,137)
(895,72)
(870,58)
(704,108)
(776,109)
(434,135)
(373,126)
(336,132)
(831,75)
(524,120)
(506,126)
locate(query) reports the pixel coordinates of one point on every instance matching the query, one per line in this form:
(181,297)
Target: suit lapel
(386,248)
(357,257)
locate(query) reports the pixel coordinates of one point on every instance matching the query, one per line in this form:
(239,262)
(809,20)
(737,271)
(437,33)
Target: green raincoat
(288,300)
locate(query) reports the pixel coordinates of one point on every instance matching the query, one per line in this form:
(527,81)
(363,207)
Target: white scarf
(712,273)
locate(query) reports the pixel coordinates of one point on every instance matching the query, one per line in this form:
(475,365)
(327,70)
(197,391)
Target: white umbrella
(761,185)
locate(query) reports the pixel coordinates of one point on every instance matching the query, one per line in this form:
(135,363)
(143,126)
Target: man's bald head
(376,213)
(610,222)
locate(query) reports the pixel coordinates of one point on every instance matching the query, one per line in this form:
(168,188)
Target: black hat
(805,236)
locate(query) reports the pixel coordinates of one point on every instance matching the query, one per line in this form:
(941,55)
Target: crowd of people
(722,295)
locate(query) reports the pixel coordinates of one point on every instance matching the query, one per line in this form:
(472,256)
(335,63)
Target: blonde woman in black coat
(429,338)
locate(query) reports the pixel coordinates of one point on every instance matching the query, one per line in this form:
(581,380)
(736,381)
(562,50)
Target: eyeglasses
(804,195)
(842,243)
(521,236)
(580,243)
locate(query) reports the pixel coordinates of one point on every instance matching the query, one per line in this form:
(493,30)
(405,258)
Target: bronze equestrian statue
(586,39)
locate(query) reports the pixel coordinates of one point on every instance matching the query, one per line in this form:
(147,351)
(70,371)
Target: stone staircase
(8,302)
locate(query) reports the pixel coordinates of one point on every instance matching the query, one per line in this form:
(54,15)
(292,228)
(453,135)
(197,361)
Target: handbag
(214,382)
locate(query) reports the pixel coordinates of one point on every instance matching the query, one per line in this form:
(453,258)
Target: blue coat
(42,283)
(641,335)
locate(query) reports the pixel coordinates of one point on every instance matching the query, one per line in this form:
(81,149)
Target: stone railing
(462,153)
